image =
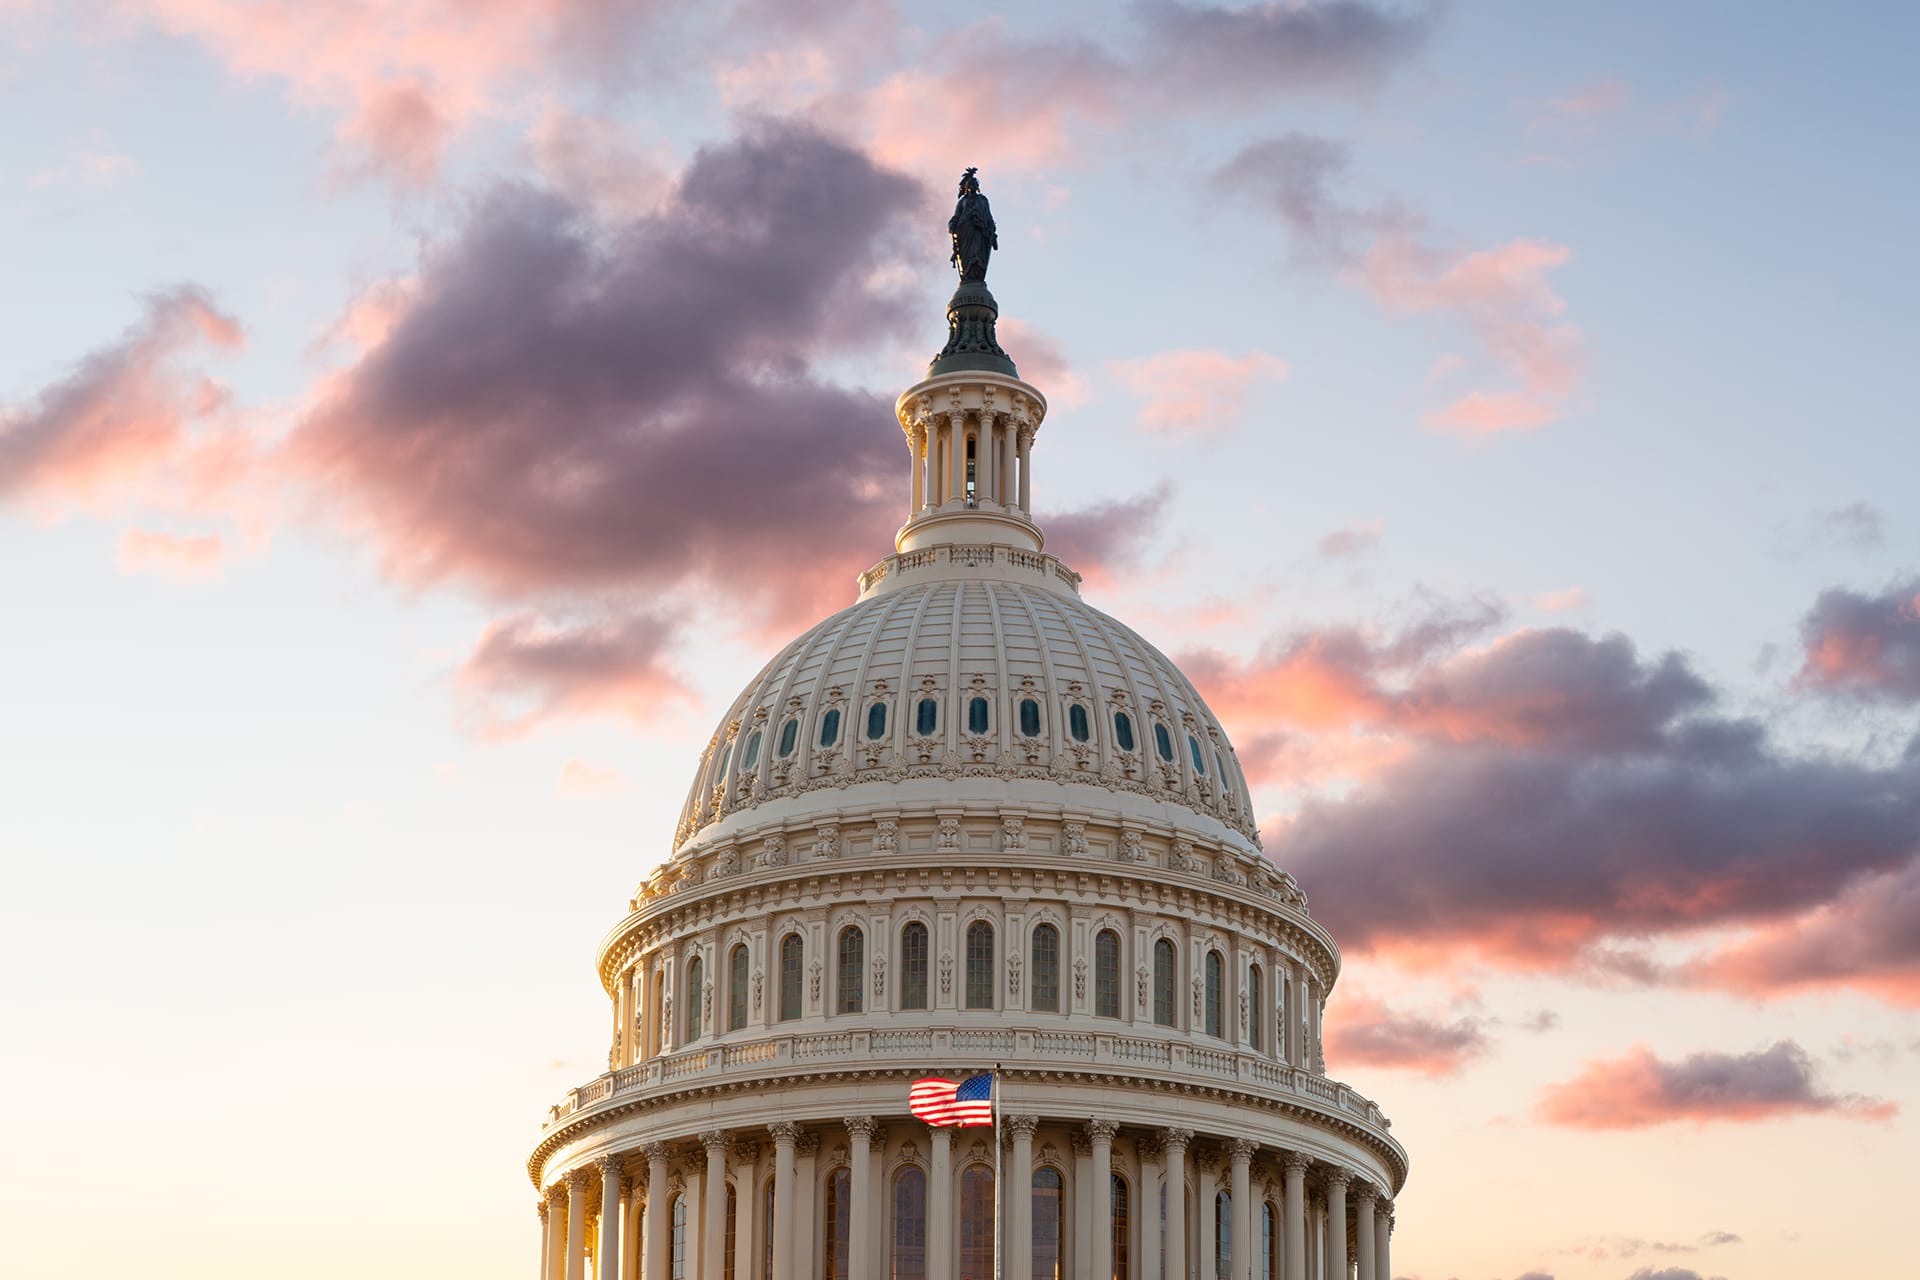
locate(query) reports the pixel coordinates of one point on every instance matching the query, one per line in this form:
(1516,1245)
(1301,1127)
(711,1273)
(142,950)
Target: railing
(969,555)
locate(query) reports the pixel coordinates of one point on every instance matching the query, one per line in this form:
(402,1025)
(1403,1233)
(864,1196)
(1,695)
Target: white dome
(1025,681)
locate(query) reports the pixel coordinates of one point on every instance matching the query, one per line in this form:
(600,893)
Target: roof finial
(971,342)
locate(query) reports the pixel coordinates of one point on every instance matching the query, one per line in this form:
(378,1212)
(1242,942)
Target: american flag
(942,1102)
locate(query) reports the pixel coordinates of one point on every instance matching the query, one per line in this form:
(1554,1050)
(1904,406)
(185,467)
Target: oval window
(753,751)
(830,727)
(1163,741)
(1030,717)
(1123,730)
(789,737)
(926,717)
(877,720)
(977,716)
(1077,723)
(1199,761)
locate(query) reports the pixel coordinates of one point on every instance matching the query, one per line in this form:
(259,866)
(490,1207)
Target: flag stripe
(943,1102)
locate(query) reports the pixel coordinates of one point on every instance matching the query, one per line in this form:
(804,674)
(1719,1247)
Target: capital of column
(1150,1145)
(1384,1209)
(1364,1193)
(1102,1130)
(1240,1150)
(785,1133)
(917,434)
(579,1180)
(540,1207)
(1294,1162)
(1020,1126)
(807,1144)
(861,1127)
(746,1152)
(1081,1141)
(1176,1139)
(655,1150)
(1337,1177)
(612,1168)
(714,1140)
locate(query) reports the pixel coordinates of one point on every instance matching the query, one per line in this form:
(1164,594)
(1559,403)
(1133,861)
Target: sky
(417,421)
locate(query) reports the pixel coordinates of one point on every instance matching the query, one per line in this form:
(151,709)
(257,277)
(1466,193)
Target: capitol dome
(968,826)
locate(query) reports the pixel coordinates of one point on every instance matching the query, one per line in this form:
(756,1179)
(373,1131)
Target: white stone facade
(968,823)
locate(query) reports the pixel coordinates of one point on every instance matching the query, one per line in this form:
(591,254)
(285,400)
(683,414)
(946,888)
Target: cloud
(1255,52)
(1189,393)
(1097,539)
(1857,525)
(1566,598)
(1639,1090)
(1669,1273)
(1864,646)
(578,778)
(1351,540)
(525,672)
(132,421)
(1290,176)
(187,558)
(90,165)
(1603,97)
(1043,362)
(1369,1033)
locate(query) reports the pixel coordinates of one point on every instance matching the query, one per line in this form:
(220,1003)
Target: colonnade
(1002,444)
(730,1217)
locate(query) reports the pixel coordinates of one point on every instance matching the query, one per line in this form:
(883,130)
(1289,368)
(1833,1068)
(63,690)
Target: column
(1295,1169)
(1316,1012)
(1147,1206)
(713,1194)
(1026,468)
(1102,1131)
(916,470)
(1382,1233)
(1207,1198)
(860,1180)
(746,1222)
(957,456)
(546,1238)
(556,1232)
(1337,1180)
(1175,1141)
(659,1211)
(1240,1155)
(940,1209)
(630,1247)
(1008,479)
(806,1209)
(785,1134)
(1363,1198)
(1082,1246)
(578,1184)
(608,1255)
(1018,1198)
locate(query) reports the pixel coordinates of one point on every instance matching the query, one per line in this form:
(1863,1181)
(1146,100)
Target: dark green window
(789,737)
(830,728)
(1077,723)
(977,716)
(1029,717)
(1199,761)
(876,721)
(1123,730)
(926,717)
(1163,741)
(913,966)
(753,751)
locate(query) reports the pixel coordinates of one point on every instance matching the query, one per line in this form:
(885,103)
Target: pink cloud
(1192,392)
(142,551)
(1366,1032)
(1351,540)
(1560,601)
(1864,646)
(1601,97)
(1639,1090)
(525,672)
(1043,362)
(578,778)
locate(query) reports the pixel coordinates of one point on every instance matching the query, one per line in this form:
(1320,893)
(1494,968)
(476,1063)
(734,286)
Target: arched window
(838,1224)
(1046,968)
(1048,1197)
(726,758)
(830,727)
(1122,1228)
(696,973)
(979,965)
(657,1025)
(1029,718)
(1163,742)
(909,1225)
(1222,1234)
(926,717)
(1254,1029)
(1199,761)
(851,970)
(1077,725)
(1123,730)
(976,715)
(876,721)
(791,954)
(1215,974)
(737,987)
(1163,982)
(913,966)
(753,751)
(976,1222)
(729,1255)
(677,1256)
(789,737)
(1269,1254)
(1106,974)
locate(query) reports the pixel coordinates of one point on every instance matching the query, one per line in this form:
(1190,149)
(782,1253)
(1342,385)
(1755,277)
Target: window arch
(1255,1038)
(979,965)
(1077,726)
(909,1225)
(851,970)
(876,721)
(737,962)
(1046,968)
(1049,1194)
(789,737)
(696,973)
(1216,968)
(1164,977)
(1029,718)
(792,953)
(1163,742)
(1121,1205)
(913,966)
(926,717)
(976,715)
(1106,974)
(976,1222)
(838,1225)
(753,751)
(1123,731)
(830,727)
(1222,1234)
(677,1254)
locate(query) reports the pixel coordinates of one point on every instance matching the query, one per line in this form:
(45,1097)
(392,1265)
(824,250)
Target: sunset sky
(419,419)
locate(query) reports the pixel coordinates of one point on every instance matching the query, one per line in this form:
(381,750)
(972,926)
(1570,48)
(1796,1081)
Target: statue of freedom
(974,235)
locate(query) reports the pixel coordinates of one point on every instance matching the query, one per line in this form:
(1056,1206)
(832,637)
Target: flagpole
(999,1244)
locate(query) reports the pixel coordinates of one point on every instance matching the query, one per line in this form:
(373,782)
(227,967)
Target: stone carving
(807,1145)
(1199,994)
(946,973)
(1240,1150)
(861,1127)
(1180,856)
(1102,1130)
(1021,1126)
(1013,974)
(1133,846)
(728,863)
(1080,979)
(773,853)
(1073,839)
(706,1005)
(759,981)
(1225,871)
(1295,1162)
(949,833)
(1244,1009)
(714,1140)
(1081,1142)
(813,981)
(785,1133)
(886,835)
(879,977)
(1013,833)
(1140,977)
(826,841)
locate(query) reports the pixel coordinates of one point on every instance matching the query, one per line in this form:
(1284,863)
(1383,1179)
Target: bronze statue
(971,226)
